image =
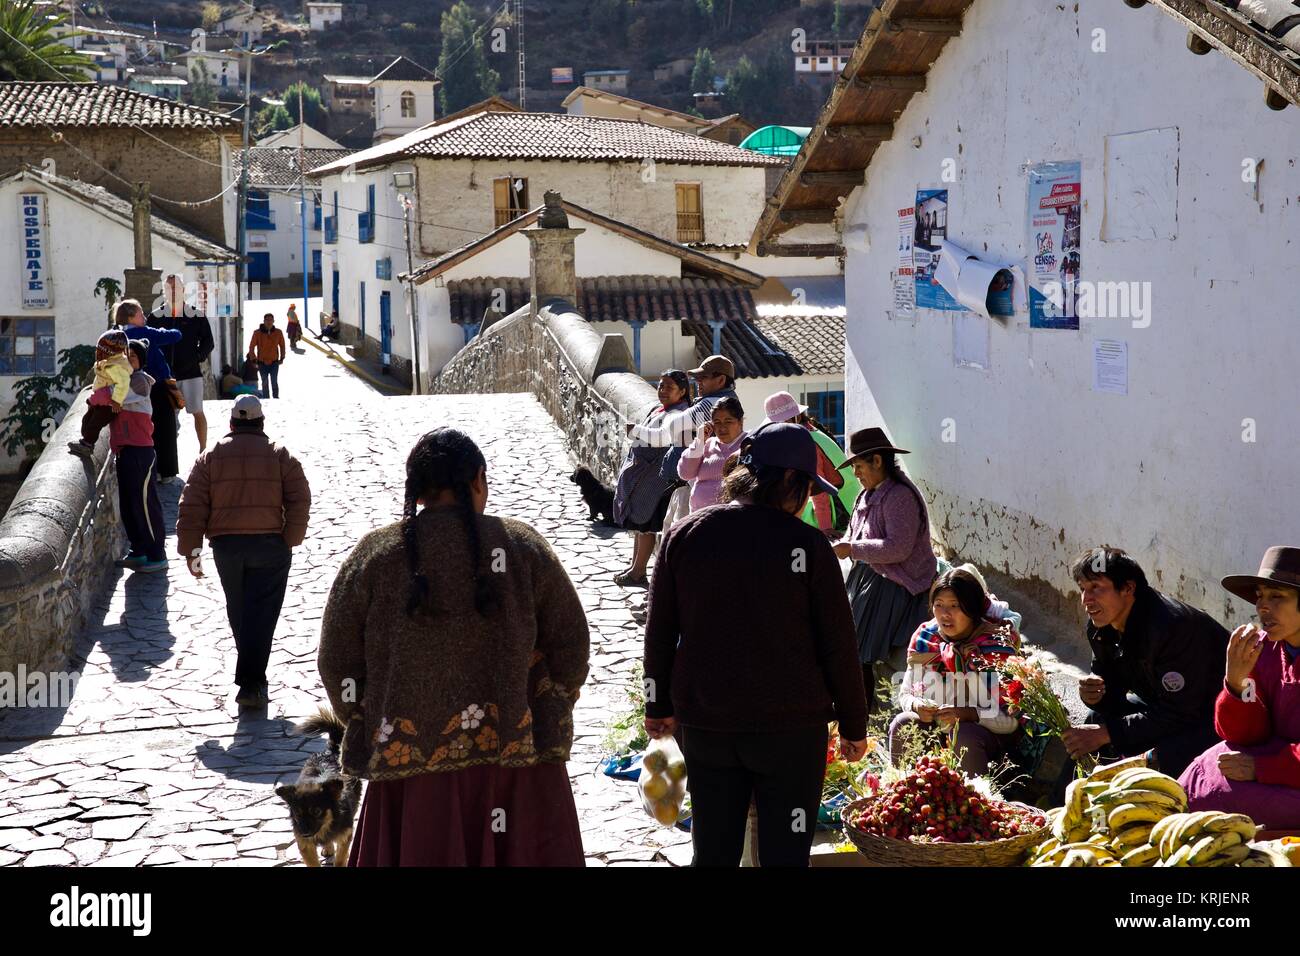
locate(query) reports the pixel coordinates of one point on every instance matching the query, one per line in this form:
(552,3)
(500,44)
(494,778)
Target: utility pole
(302,199)
(241,213)
(404,183)
(519,38)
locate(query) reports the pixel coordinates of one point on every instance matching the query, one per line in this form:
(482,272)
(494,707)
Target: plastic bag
(663,781)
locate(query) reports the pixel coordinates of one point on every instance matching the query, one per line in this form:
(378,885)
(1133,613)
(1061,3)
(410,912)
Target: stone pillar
(142,283)
(552,269)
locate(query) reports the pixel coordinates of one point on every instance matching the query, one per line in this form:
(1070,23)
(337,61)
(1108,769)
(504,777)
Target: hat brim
(822,486)
(1245,586)
(848,462)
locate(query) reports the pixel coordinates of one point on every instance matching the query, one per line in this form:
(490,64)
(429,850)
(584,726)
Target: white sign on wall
(38,292)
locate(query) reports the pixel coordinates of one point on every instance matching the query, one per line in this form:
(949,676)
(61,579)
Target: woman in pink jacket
(703,460)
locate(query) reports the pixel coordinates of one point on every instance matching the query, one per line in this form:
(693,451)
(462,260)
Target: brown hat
(869,441)
(1279,566)
(716,365)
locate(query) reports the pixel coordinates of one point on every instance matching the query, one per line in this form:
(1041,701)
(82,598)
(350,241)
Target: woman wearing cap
(822,511)
(894,564)
(754,682)
(703,461)
(642,493)
(1256,769)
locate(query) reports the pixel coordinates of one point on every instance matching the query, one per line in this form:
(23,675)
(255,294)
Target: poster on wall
(37,293)
(904,282)
(1110,366)
(1053,214)
(930,228)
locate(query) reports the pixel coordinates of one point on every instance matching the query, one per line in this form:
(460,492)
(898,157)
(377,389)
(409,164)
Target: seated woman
(951,677)
(330,329)
(1256,769)
(703,460)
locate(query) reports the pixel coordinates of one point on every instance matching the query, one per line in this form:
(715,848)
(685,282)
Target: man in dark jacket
(1157,667)
(187,360)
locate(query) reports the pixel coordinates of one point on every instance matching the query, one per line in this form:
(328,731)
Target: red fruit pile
(933,804)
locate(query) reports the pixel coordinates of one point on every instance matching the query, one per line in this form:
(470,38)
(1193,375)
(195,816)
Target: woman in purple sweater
(702,462)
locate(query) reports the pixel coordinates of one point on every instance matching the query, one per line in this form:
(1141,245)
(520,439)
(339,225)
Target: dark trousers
(1174,752)
(164,430)
(270,373)
(96,419)
(781,772)
(254,571)
(137,502)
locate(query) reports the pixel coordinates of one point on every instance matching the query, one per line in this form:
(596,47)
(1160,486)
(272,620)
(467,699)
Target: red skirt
(479,816)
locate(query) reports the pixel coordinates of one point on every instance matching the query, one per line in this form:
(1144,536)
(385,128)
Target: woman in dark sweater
(453,646)
(754,682)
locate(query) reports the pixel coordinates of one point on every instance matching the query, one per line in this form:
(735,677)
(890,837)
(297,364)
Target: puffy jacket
(133,425)
(245,484)
(267,345)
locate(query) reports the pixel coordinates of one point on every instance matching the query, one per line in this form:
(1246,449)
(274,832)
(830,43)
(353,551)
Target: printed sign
(37,291)
(1053,218)
(930,226)
(904,280)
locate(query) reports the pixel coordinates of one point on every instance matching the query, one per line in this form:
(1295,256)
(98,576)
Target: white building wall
(389,121)
(460,191)
(321,16)
(1039,464)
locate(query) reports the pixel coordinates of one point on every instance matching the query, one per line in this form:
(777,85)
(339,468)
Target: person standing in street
(130,437)
(131,317)
(250,498)
(267,349)
(187,360)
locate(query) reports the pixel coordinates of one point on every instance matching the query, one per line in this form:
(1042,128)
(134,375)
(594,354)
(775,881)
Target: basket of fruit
(933,817)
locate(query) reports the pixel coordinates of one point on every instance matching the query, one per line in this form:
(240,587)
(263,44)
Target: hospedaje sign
(37,290)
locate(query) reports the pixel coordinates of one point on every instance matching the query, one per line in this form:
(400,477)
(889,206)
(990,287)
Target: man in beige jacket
(250,498)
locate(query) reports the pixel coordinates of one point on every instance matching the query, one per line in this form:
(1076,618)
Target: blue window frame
(332,222)
(257,211)
(384,268)
(361,305)
(27,346)
(828,408)
(316,214)
(366,220)
(315,263)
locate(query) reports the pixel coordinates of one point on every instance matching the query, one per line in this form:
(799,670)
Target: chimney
(143,283)
(552,270)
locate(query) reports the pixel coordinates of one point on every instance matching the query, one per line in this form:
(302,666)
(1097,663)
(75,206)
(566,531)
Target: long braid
(444,458)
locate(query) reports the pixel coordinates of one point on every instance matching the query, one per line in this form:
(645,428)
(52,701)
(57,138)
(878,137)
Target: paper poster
(1053,215)
(1110,366)
(904,282)
(35,251)
(970,341)
(930,227)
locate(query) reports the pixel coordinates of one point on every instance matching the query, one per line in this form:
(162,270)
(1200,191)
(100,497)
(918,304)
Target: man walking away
(251,500)
(188,357)
(267,348)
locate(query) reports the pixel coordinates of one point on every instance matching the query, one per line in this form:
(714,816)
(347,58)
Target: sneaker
(130,561)
(81,449)
(152,567)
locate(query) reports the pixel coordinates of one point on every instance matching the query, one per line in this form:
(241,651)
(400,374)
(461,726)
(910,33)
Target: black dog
(599,499)
(323,803)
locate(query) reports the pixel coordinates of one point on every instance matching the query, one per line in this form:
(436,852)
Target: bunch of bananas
(1203,838)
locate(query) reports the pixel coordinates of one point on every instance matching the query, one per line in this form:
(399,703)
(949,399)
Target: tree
(746,90)
(702,74)
(30,48)
(837,20)
(39,402)
(201,92)
(311,104)
(272,119)
(462,66)
(211,15)
(112,290)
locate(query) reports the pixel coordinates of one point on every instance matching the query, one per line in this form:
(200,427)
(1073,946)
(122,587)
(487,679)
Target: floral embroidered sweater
(449,688)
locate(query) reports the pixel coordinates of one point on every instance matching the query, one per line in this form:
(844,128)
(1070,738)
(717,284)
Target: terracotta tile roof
(815,342)
(278,165)
(558,136)
(405,70)
(693,302)
(90,105)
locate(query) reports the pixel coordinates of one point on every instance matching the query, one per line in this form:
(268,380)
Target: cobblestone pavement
(152,764)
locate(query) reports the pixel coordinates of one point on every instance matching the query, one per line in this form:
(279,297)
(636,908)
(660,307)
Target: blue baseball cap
(785,445)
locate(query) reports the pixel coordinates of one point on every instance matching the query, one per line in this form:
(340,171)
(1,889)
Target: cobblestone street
(152,764)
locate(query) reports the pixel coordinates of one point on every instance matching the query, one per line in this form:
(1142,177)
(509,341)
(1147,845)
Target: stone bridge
(150,762)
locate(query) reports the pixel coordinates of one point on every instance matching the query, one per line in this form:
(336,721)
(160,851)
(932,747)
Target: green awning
(776,140)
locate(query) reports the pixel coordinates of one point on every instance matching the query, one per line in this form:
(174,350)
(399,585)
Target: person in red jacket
(1256,769)
(130,436)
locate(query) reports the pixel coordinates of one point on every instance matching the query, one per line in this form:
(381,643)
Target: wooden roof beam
(905,83)
(836,177)
(800,216)
(878,132)
(939,26)
(800,249)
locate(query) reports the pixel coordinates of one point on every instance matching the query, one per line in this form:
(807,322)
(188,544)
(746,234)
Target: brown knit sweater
(452,689)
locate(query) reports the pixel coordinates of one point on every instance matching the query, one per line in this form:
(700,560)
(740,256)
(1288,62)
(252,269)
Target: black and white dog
(599,499)
(323,803)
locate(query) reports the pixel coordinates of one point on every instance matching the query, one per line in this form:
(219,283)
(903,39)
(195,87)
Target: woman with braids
(453,647)
(754,682)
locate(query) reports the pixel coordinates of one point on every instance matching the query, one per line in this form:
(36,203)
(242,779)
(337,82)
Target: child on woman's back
(112,378)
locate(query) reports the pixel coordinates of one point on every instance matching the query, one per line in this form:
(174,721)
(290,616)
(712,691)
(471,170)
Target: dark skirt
(479,816)
(655,523)
(885,614)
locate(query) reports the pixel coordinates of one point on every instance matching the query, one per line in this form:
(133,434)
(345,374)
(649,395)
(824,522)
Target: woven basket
(884,851)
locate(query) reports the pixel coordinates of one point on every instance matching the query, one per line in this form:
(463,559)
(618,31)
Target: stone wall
(58,542)
(582,377)
(135,156)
